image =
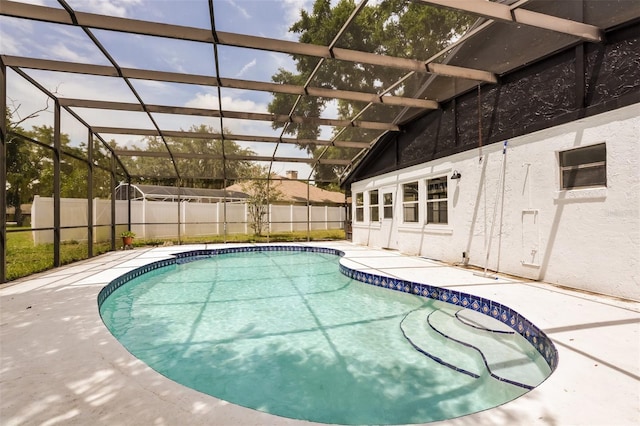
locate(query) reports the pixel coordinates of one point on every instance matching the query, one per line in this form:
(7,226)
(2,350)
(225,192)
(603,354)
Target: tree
(196,173)
(20,172)
(391,27)
(261,194)
(73,173)
(30,169)
(20,156)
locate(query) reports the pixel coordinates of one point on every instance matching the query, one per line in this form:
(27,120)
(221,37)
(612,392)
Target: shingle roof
(295,191)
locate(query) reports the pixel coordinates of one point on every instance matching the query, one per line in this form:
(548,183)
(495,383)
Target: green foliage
(30,169)
(205,172)
(73,172)
(400,28)
(261,193)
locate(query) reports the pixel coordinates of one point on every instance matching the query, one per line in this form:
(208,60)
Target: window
(437,210)
(583,167)
(359,207)
(387,201)
(374,206)
(410,202)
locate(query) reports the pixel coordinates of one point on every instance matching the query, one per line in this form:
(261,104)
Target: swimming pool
(280,330)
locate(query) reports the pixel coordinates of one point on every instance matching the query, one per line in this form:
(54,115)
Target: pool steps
(425,340)
(493,351)
(441,336)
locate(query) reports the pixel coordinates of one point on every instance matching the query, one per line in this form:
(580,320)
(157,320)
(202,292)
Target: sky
(266,18)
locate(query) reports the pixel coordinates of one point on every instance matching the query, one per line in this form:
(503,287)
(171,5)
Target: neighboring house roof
(294,191)
(25,208)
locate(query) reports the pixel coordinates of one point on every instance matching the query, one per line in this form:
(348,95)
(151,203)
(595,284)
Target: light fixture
(456,175)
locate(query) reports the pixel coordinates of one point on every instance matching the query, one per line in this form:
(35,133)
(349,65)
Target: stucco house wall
(507,212)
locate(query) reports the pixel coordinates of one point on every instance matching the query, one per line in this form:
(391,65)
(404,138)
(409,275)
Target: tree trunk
(13,200)
(18,216)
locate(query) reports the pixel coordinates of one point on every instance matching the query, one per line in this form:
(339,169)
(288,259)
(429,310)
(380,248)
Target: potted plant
(127,238)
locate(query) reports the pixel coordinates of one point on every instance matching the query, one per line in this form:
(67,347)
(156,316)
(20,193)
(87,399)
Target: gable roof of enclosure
(506,36)
(125,191)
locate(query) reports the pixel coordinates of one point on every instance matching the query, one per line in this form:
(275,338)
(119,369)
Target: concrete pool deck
(60,365)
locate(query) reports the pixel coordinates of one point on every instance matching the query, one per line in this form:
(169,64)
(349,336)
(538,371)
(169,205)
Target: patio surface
(60,365)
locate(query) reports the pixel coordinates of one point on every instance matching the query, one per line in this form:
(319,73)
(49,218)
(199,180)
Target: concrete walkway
(60,365)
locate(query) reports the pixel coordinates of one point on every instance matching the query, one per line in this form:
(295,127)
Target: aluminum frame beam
(204,80)
(227,136)
(504,13)
(179,32)
(193,155)
(3,171)
(165,109)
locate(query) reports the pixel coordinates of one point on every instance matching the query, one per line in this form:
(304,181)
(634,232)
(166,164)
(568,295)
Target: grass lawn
(25,258)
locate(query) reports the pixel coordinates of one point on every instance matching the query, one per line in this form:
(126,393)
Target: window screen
(437,205)
(359,207)
(387,200)
(583,167)
(410,202)
(374,206)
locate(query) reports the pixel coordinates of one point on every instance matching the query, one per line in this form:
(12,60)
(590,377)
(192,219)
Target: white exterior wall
(583,238)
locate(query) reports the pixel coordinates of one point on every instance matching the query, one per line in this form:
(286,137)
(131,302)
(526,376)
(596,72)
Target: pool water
(288,334)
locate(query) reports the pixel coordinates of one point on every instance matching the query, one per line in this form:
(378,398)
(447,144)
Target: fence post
(183,224)
(144,218)
(326,217)
(218,218)
(291,218)
(246,218)
(34,218)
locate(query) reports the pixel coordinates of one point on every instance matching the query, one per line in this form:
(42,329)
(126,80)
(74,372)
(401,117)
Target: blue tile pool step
(474,345)
(427,341)
(508,355)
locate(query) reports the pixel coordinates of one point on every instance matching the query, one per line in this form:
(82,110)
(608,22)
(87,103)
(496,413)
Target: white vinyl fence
(164,219)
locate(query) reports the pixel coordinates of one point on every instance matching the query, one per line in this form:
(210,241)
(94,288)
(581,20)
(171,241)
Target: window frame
(374,206)
(411,204)
(359,207)
(576,168)
(387,208)
(430,202)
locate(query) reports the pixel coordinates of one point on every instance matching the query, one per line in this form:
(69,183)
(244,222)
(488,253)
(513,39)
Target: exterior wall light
(456,175)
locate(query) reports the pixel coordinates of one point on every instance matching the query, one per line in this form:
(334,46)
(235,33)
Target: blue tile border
(536,337)
(469,324)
